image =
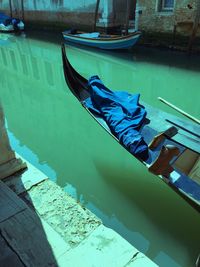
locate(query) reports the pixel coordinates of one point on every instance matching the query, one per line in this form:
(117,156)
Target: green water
(49,127)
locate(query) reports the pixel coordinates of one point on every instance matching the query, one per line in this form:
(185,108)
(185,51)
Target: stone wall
(179,20)
(8,162)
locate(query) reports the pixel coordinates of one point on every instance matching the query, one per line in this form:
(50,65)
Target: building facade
(174,18)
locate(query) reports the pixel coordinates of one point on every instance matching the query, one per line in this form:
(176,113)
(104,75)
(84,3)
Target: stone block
(103,248)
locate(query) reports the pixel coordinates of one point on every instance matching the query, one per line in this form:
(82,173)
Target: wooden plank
(186,141)
(9,205)
(158,123)
(186,161)
(7,256)
(25,234)
(195,171)
(181,126)
(34,241)
(191,129)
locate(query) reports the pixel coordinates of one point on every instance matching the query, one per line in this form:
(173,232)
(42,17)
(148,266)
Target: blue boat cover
(89,35)
(3,16)
(6,20)
(123,114)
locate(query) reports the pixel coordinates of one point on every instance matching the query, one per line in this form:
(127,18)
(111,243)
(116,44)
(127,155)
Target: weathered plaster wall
(60,12)
(52,5)
(4,5)
(60,5)
(181,20)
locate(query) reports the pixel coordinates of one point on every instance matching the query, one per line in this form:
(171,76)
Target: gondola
(125,40)
(185,177)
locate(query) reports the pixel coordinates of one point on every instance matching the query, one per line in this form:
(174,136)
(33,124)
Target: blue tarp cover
(123,114)
(4,18)
(89,35)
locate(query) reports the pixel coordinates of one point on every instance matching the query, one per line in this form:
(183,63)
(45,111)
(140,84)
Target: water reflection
(51,129)
(26,153)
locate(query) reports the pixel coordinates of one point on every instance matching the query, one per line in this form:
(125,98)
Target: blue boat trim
(120,42)
(188,186)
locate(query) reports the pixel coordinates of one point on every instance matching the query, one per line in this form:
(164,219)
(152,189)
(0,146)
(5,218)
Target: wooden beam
(96,14)
(33,240)
(8,205)
(127,15)
(10,5)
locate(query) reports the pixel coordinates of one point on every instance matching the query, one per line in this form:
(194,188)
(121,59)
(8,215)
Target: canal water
(48,127)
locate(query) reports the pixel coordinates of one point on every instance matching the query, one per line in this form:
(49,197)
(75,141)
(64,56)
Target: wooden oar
(179,110)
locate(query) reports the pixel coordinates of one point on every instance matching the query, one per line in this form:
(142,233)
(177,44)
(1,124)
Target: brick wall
(179,20)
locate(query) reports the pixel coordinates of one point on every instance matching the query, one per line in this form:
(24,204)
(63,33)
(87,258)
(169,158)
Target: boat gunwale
(195,203)
(99,39)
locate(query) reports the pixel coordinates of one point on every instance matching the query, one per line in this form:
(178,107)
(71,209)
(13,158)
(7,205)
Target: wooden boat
(103,41)
(185,179)
(9,24)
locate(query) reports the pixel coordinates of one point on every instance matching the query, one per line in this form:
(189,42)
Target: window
(165,5)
